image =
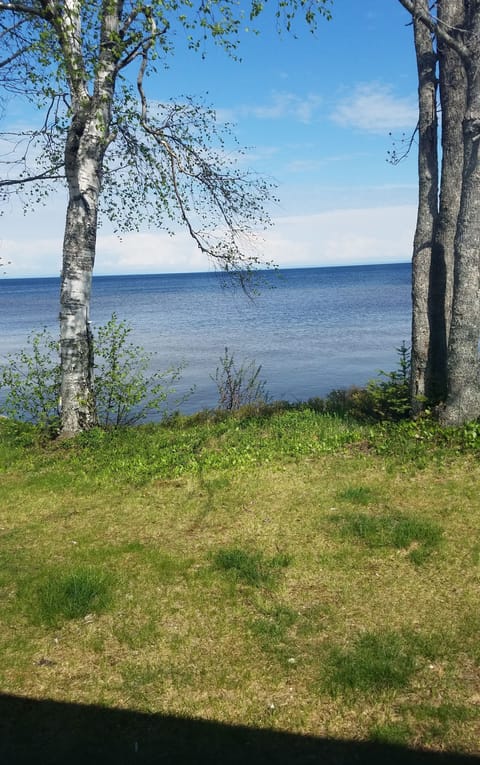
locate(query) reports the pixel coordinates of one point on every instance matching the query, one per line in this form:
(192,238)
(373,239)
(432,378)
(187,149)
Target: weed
(357,495)
(273,626)
(72,595)
(239,386)
(391,733)
(444,714)
(420,536)
(251,568)
(274,634)
(166,567)
(375,662)
(437,722)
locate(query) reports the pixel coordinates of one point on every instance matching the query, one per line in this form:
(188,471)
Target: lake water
(312,329)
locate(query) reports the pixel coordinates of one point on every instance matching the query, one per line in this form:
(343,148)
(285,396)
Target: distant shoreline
(6,278)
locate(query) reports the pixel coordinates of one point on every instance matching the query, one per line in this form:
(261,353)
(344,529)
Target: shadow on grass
(48,732)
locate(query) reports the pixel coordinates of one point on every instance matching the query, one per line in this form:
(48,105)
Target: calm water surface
(311,329)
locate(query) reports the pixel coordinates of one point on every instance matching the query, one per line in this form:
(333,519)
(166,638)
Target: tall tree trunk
(452,89)
(87,140)
(427,210)
(83,162)
(463,402)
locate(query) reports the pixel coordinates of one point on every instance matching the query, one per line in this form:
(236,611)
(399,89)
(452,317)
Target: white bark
(87,141)
(77,395)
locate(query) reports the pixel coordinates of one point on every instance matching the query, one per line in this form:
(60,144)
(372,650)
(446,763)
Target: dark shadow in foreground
(48,732)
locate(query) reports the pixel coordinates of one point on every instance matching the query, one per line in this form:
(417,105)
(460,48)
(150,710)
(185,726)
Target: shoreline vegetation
(276,568)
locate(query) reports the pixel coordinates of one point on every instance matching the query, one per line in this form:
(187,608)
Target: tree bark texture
(427,210)
(463,402)
(452,88)
(77,395)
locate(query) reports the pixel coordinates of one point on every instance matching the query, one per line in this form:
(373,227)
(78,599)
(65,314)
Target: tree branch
(129,20)
(17,54)
(20,8)
(437,29)
(45,176)
(144,45)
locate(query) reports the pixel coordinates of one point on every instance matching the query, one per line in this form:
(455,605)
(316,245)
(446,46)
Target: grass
(286,570)
(419,537)
(251,568)
(68,595)
(375,662)
(357,495)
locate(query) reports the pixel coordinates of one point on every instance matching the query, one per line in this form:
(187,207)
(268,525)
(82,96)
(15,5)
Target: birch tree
(118,152)
(450,306)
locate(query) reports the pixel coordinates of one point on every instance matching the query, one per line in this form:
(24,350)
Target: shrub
(32,381)
(239,386)
(125,390)
(387,398)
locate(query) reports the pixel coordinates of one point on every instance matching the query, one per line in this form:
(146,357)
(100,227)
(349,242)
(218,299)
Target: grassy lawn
(291,572)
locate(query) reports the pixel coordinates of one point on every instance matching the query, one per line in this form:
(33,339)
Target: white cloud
(343,237)
(373,107)
(32,256)
(149,252)
(282,105)
(314,165)
(336,237)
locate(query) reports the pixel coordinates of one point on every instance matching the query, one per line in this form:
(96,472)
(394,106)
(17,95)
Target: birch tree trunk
(83,176)
(87,140)
(427,210)
(463,402)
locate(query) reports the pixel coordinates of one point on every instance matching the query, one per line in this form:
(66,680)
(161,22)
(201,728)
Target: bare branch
(129,20)
(146,43)
(29,10)
(45,176)
(17,54)
(394,157)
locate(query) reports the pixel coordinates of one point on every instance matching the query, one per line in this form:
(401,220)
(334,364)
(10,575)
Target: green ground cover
(290,570)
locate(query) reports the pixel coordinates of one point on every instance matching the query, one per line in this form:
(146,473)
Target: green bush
(125,390)
(387,398)
(32,381)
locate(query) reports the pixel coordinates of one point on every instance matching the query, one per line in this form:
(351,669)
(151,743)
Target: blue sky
(316,113)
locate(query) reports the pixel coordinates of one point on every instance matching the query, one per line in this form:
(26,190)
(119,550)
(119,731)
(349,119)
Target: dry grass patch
(232,595)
